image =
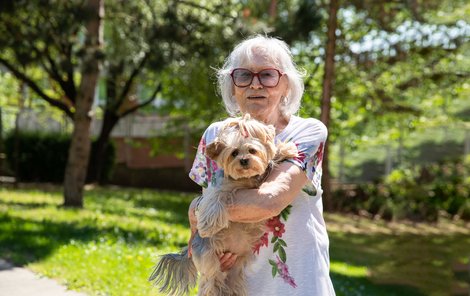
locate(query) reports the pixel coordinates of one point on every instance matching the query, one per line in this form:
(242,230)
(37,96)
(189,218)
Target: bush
(42,157)
(418,193)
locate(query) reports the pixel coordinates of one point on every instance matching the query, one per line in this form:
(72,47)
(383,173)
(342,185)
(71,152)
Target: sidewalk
(17,281)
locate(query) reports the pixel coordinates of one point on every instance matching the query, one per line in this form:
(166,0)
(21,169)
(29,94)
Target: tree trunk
(328,81)
(79,151)
(96,163)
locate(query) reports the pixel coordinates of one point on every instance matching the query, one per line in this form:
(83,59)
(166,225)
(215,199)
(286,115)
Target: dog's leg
(214,285)
(211,214)
(236,281)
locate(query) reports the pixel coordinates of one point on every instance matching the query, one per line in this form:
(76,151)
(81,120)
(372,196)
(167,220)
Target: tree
(143,37)
(75,171)
(328,85)
(31,36)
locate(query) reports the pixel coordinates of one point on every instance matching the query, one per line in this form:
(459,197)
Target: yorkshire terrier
(246,151)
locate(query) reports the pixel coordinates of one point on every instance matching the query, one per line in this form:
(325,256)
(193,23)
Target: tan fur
(244,149)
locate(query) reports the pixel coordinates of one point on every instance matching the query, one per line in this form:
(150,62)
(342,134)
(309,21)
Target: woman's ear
(214,149)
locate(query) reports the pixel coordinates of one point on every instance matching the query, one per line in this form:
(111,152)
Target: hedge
(420,193)
(43,156)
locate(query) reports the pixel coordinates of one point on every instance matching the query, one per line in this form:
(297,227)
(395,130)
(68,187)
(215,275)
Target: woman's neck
(279,121)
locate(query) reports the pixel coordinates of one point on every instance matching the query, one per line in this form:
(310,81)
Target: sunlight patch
(349,270)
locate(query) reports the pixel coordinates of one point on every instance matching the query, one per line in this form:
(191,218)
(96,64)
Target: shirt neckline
(291,120)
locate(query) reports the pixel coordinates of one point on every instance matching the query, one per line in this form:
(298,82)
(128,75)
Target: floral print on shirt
(277,228)
(204,169)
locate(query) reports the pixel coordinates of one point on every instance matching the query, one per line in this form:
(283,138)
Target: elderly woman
(260,78)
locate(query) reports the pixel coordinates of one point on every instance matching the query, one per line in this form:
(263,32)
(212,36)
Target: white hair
(273,50)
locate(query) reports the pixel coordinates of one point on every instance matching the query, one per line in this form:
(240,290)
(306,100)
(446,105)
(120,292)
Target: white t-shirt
(292,257)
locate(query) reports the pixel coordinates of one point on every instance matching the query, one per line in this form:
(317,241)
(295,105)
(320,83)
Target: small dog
(245,150)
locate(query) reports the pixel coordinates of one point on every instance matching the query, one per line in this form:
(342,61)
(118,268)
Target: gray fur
(212,215)
(175,274)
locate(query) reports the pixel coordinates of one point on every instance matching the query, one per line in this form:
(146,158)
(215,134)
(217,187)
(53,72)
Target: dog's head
(243,148)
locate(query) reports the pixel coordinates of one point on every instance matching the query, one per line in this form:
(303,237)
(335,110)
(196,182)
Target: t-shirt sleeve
(310,141)
(203,171)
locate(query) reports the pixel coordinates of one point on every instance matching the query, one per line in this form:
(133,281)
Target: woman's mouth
(256,97)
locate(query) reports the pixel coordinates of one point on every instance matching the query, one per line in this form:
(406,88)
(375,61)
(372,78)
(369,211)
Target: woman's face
(261,102)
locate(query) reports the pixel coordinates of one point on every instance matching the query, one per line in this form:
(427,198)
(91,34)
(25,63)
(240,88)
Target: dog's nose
(244,161)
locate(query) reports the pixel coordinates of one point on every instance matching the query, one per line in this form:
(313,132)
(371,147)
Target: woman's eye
(235,153)
(252,151)
(267,75)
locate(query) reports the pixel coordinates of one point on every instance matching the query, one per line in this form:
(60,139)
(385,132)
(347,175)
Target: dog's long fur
(245,149)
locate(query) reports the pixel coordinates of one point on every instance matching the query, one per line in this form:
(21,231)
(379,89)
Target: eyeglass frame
(253,74)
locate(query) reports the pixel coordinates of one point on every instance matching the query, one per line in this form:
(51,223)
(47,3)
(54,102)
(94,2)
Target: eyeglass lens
(267,77)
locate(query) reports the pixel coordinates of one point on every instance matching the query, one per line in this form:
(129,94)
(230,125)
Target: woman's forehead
(258,59)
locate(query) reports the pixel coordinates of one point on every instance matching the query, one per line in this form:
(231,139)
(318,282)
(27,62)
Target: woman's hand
(227,261)
(192,224)
(190,244)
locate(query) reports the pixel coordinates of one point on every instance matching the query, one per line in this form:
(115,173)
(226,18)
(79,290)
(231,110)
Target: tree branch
(130,81)
(21,76)
(145,103)
(70,71)
(198,6)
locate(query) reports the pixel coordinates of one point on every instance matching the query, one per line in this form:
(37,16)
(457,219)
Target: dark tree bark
(327,92)
(79,151)
(113,112)
(96,164)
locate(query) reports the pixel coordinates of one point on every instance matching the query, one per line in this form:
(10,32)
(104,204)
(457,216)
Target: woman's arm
(192,215)
(276,193)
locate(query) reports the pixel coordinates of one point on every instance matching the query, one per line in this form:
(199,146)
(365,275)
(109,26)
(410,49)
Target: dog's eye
(235,153)
(252,151)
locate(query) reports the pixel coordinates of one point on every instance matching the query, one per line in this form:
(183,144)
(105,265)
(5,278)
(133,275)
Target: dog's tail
(175,274)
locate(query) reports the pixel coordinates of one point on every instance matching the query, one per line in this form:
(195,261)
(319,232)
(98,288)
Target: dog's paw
(285,150)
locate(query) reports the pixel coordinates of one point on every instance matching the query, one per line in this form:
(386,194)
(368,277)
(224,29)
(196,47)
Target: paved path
(16,281)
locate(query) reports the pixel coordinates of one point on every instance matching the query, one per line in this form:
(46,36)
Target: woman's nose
(256,83)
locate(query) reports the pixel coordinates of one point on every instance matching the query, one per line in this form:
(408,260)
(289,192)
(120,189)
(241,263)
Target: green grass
(110,246)
(399,258)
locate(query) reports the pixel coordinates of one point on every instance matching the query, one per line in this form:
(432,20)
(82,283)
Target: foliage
(110,246)
(42,156)
(421,192)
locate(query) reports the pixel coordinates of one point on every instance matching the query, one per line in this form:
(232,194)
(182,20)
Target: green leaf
(272,262)
(274,270)
(274,239)
(282,254)
(276,246)
(282,242)
(284,216)
(286,212)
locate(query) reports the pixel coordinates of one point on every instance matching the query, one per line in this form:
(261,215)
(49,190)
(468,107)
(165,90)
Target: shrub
(42,157)
(416,193)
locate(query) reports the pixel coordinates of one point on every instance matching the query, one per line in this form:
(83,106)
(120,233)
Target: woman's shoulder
(213,129)
(307,126)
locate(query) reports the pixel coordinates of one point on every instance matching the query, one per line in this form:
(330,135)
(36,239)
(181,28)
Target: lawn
(110,246)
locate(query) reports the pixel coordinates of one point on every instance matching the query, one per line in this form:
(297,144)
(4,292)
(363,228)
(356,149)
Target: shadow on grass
(23,241)
(173,206)
(346,286)
(421,261)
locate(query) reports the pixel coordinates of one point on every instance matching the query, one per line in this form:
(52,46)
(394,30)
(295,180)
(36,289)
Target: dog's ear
(214,149)
(270,132)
